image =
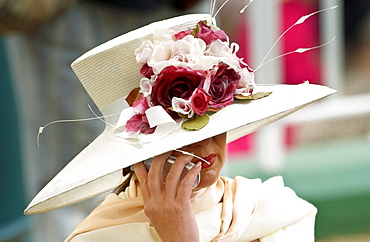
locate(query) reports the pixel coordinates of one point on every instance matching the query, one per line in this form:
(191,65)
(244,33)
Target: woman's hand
(167,203)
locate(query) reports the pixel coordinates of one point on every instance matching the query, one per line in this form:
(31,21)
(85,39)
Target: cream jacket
(249,210)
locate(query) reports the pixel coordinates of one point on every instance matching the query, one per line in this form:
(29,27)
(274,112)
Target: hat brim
(97,169)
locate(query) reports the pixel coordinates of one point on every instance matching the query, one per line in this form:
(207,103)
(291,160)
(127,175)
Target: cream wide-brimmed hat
(110,71)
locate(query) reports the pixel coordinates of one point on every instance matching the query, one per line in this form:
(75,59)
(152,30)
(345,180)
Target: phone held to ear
(167,166)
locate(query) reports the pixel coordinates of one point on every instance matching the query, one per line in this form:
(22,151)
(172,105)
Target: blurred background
(322,151)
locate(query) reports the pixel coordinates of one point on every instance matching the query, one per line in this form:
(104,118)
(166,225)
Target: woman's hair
(126,172)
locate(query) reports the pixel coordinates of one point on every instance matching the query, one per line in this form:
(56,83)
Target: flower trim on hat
(187,75)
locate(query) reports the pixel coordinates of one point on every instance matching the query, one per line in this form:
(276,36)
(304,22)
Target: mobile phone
(167,166)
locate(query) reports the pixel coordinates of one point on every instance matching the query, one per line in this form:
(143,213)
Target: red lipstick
(211,160)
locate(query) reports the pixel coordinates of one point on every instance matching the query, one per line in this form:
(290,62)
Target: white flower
(197,59)
(161,56)
(144,52)
(219,48)
(182,49)
(245,83)
(225,54)
(182,106)
(195,53)
(145,87)
(187,52)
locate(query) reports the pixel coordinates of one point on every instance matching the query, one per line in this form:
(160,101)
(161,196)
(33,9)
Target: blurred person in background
(357,35)
(43,38)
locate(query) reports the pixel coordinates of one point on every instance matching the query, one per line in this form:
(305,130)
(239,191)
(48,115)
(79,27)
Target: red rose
(223,85)
(208,35)
(175,82)
(199,101)
(146,71)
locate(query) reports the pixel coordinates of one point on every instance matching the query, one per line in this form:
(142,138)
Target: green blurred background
(333,175)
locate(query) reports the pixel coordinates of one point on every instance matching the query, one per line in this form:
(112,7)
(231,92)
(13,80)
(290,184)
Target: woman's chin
(207,178)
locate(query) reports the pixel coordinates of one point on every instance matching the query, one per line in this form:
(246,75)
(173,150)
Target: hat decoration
(187,75)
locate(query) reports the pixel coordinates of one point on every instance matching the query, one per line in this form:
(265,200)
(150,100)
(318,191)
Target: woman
(168,205)
(194,95)
(218,209)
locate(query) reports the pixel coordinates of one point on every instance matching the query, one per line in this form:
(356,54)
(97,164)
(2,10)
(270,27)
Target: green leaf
(196,123)
(254,96)
(243,99)
(182,115)
(260,95)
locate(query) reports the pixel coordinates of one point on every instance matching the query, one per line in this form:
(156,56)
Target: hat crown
(109,72)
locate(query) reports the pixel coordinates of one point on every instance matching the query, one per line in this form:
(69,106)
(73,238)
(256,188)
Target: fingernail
(198,164)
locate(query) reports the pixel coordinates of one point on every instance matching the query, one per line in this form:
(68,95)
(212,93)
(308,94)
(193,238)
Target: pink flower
(208,35)
(204,32)
(174,82)
(199,101)
(145,87)
(141,105)
(139,121)
(144,52)
(182,34)
(244,65)
(222,87)
(182,106)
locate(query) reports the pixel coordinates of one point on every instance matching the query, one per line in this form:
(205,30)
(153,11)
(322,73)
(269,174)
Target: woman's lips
(211,160)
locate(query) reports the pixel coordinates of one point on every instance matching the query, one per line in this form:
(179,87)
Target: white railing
(264,21)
